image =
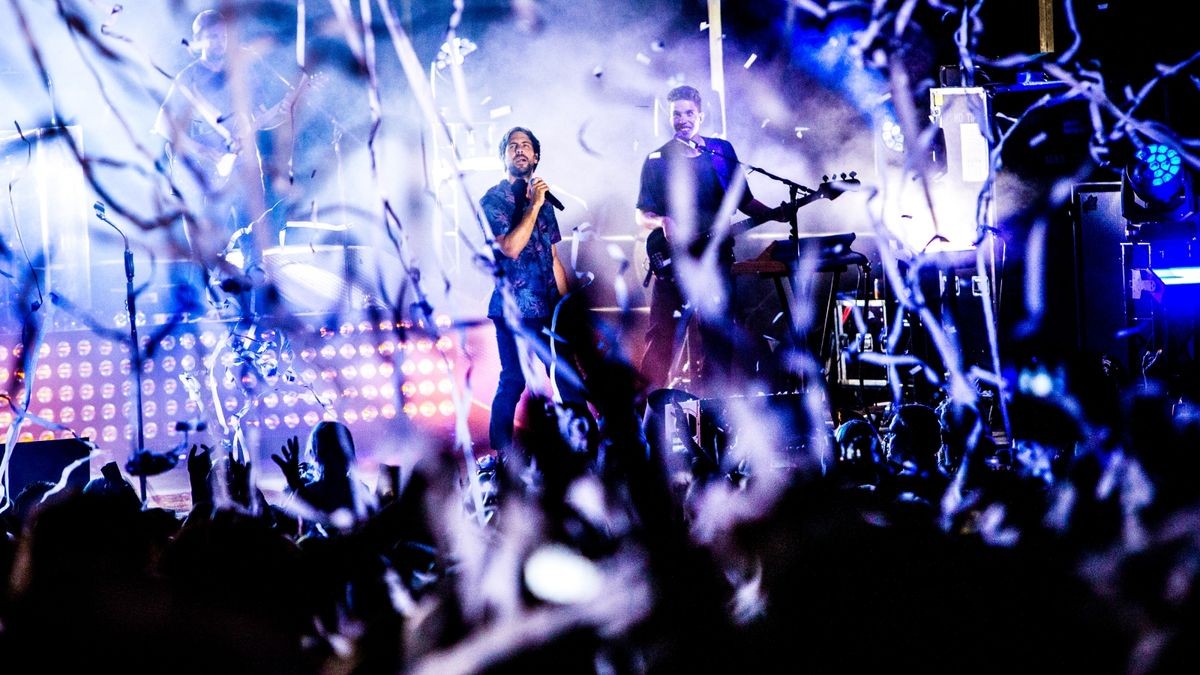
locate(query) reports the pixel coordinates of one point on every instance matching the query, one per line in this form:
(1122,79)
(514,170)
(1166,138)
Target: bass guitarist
(683,186)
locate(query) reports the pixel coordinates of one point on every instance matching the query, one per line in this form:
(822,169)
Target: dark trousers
(512,379)
(669,320)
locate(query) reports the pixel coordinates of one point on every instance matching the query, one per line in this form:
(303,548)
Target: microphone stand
(135,346)
(794,191)
(794,188)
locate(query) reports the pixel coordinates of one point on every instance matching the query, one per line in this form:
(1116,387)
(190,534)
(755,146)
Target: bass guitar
(658,249)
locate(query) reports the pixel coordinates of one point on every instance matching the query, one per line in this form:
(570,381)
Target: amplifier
(860,326)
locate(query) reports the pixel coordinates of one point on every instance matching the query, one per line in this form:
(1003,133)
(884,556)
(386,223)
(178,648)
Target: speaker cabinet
(1102,311)
(33,461)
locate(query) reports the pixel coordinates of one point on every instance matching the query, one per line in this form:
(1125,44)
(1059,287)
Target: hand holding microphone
(539,186)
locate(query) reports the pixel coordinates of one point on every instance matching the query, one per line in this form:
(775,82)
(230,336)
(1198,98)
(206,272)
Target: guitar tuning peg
(825,179)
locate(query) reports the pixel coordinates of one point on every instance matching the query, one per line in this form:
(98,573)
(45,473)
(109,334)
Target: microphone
(519,188)
(100,210)
(694,145)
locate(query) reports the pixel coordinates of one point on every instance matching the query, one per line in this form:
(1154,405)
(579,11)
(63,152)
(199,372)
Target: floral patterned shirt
(530,276)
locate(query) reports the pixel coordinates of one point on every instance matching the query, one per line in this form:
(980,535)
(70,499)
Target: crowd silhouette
(917,541)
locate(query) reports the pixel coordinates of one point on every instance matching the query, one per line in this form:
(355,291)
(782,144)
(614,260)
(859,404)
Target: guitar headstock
(834,186)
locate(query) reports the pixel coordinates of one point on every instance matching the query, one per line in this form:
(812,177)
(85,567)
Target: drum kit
(312,275)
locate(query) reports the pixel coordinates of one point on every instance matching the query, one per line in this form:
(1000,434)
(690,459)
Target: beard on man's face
(522,170)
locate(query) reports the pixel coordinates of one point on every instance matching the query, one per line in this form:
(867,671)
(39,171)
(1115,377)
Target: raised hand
(288,460)
(239,481)
(199,465)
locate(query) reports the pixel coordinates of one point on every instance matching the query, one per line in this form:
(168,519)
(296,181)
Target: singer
(530,281)
(683,184)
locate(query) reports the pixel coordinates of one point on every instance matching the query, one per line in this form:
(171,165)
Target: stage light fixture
(1156,187)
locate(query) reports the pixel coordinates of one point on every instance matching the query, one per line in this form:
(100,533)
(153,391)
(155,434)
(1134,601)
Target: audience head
(332,447)
(110,484)
(858,442)
(913,436)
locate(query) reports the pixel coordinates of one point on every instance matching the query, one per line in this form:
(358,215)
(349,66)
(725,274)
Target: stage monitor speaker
(33,461)
(714,427)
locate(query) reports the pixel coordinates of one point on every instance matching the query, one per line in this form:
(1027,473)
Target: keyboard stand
(779,261)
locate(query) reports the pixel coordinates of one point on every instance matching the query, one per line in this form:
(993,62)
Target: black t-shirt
(706,176)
